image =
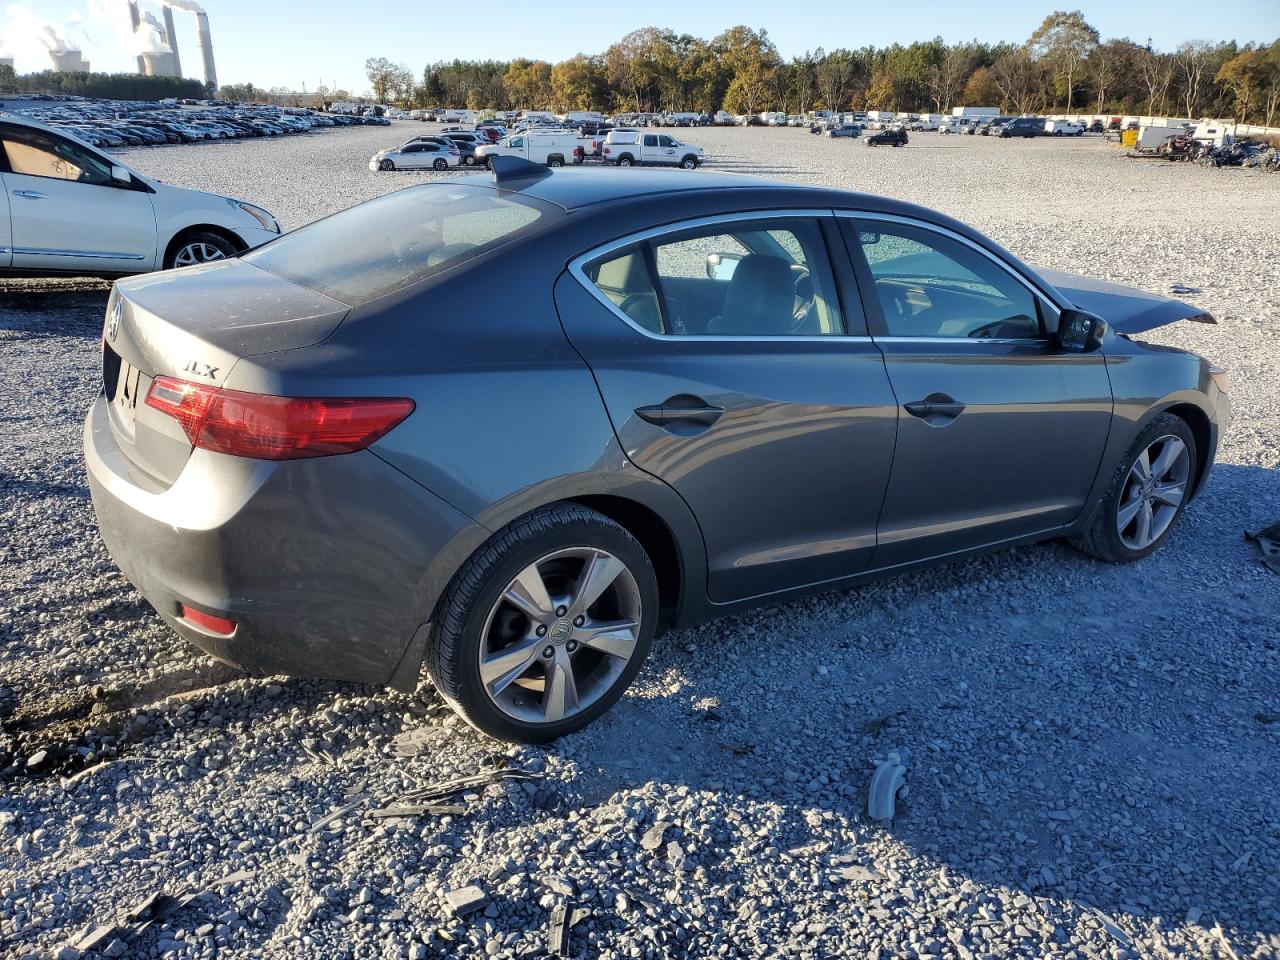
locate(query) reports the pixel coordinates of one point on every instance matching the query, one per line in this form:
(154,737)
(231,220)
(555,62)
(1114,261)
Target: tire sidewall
(476,706)
(1163,425)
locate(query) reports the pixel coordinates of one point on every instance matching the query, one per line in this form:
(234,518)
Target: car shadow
(53,308)
(1101,739)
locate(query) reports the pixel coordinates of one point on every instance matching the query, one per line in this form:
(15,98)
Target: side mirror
(1080,332)
(720,266)
(121,175)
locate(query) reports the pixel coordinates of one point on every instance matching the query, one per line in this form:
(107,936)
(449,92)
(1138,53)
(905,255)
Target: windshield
(387,244)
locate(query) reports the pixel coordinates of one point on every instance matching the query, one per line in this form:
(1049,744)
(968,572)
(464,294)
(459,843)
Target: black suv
(1023,127)
(897,138)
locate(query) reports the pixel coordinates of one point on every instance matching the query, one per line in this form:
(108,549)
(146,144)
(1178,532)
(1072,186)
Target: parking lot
(1091,751)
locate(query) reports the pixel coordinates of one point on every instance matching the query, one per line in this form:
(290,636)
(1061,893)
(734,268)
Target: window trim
(6,166)
(577,268)
(862,270)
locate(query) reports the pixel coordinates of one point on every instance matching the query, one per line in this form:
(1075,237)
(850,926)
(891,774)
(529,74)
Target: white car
(417,155)
(629,147)
(69,207)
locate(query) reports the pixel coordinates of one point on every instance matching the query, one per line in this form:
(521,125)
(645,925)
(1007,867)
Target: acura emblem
(113,321)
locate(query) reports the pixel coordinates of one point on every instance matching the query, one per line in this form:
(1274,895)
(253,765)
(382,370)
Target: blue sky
(272,43)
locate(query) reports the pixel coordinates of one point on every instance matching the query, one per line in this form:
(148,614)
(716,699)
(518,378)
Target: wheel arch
(181,236)
(1202,430)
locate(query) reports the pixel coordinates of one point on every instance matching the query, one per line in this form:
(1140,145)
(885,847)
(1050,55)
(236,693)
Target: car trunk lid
(1126,309)
(158,326)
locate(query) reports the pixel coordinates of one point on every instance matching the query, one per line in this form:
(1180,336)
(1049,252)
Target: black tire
(452,657)
(689,163)
(488,163)
(555,161)
(440,164)
(386,164)
(1099,536)
(219,242)
(625,160)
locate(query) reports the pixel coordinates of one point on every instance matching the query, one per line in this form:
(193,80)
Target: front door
(731,370)
(66,213)
(6,252)
(1001,433)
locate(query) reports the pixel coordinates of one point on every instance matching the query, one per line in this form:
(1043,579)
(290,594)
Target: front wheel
(386,165)
(689,163)
(545,628)
(200,248)
(1147,496)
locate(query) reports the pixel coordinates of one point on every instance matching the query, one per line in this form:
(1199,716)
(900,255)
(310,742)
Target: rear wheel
(200,248)
(625,160)
(440,164)
(1147,495)
(543,630)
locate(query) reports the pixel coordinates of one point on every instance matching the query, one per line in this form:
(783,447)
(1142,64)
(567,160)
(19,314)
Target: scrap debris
(887,784)
(564,917)
(465,900)
(425,800)
(1268,541)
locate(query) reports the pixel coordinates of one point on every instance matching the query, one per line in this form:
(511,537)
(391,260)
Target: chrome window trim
(578,264)
(1036,292)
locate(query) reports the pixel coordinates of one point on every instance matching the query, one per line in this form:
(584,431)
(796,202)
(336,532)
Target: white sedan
(416,155)
(66,207)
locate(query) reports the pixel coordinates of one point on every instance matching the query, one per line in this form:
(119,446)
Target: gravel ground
(1091,751)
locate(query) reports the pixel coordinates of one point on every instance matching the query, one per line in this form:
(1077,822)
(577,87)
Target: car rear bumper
(325,564)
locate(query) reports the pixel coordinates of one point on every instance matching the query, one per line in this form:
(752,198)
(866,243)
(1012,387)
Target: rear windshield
(387,244)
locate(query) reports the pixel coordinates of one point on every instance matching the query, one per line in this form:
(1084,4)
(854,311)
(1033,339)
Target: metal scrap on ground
(887,783)
(1268,541)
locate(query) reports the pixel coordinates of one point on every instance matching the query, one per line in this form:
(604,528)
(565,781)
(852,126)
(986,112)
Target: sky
(276,43)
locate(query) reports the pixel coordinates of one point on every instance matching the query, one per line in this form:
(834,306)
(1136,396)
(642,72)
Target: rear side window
(387,244)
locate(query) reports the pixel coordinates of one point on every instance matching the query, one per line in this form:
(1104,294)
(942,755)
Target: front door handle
(935,409)
(30,194)
(681,409)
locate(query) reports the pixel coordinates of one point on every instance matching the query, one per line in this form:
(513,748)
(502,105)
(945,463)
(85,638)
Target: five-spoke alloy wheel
(546,625)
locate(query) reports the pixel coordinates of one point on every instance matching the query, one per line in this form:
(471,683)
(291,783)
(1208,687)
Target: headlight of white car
(265,220)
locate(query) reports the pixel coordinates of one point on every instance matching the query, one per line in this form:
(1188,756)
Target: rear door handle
(30,194)
(936,408)
(677,410)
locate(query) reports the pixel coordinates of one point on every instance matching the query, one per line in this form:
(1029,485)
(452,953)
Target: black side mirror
(1080,332)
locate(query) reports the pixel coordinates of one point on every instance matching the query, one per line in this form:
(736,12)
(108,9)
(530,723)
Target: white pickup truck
(629,147)
(553,149)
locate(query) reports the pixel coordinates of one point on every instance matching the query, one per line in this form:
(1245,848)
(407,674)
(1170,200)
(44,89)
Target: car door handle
(30,194)
(935,408)
(679,410)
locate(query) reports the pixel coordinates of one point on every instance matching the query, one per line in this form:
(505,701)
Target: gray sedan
(710,393)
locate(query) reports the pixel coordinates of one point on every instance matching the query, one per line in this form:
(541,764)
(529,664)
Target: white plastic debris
(887,783)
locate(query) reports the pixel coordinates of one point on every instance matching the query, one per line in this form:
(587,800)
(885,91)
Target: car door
(667,149)
(1000,433)
(65,210)
(760,398)
(6,245)
(649,148)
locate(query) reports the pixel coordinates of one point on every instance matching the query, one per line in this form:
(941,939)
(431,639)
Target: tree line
(107,86)
(1065,65)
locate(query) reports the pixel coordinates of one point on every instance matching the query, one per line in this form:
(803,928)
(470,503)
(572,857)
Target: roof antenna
(512,172)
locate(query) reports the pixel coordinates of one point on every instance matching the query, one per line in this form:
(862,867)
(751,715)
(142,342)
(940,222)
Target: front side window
(930,285)
(734,279)
(35,153)
(665,141)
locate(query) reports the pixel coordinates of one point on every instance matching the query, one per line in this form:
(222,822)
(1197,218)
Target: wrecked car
(713,392)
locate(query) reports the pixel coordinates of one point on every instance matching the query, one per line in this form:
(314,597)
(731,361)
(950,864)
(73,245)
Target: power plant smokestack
(69,61)
(135,18)
(206,50)
(172,36)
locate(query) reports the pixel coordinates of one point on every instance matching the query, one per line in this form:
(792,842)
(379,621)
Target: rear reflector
(264,427)
(207,621)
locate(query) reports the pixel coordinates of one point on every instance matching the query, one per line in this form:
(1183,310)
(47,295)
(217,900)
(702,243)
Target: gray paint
(814,476)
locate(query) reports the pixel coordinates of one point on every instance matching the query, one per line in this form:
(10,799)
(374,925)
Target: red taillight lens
(264,427)
(207,621)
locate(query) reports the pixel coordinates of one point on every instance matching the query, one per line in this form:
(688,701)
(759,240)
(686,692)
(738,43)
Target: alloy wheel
(560,635)
(197,252)
(1153,492)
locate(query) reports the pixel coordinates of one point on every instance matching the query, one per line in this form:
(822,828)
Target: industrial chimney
(68,61)
(171,36)
(135,18)
(206,50)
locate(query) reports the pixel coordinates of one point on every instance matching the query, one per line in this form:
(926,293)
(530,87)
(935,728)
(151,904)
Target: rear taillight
(264,427)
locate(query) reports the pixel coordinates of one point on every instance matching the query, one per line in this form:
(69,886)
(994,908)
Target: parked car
(348,483)
(628,148)
(1063,128)
(71,208)
(894,137)
(552,148)
(989,125)
(1023,127)
(845,130)
(417,155)
(467,144)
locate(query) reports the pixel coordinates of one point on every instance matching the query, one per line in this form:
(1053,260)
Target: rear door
(748,384)
(1000,433)
(65,211)
(6,245)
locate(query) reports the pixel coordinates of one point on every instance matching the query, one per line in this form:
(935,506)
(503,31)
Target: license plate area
(125,386)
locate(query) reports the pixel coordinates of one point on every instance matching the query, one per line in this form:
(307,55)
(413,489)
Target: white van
(555,149)
(1063,128)
(629,147)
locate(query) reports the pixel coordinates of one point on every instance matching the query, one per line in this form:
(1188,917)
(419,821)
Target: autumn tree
(948,76)
(1020,81)
(750,59)
(1248,76)
(1063,42)
(388,80)
(580,83)
(980,89)
(528,83)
